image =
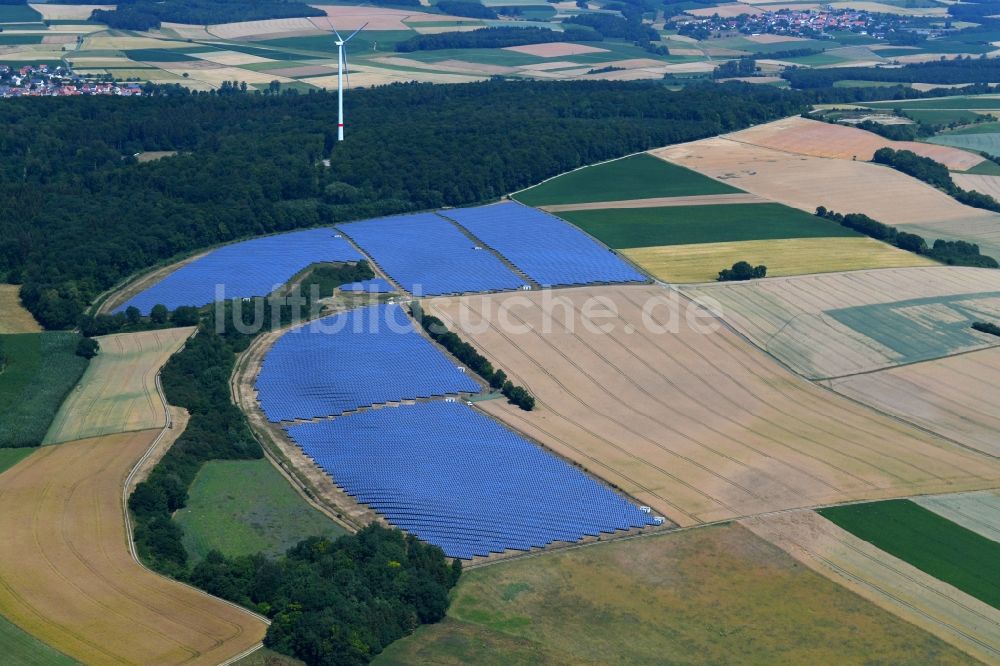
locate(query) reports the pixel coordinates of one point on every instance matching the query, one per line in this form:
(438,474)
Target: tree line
(953,253)
(148,14)
(251,164)
(933,173)
(961,70)
(466,8)
(495,38)
(467,354)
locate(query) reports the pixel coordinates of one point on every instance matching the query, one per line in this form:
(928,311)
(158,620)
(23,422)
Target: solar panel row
(242,270)
(547,249)
(458,479)
(358,358)
(429,256)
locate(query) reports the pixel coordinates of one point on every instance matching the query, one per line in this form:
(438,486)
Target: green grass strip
(637,177)
(683,225)
(935,545)
(22,649)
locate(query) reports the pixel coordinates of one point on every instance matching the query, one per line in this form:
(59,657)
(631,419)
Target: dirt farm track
(700,425)
(67,577)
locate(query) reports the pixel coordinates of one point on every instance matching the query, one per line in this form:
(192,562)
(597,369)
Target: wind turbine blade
(356,32)
(347,70)
(336,33)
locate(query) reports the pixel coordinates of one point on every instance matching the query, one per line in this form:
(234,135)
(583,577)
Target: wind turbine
(341,68)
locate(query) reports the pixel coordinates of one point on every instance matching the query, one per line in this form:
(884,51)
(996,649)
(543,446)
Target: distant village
(44,81)
(793,23)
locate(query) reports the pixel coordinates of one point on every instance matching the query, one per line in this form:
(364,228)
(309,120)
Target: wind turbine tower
(341,71)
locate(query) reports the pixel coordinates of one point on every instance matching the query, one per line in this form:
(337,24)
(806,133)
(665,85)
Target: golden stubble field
(118,393)
(813,137)
(840,324)
(66,575)
(701,262)
(887,581)
(806,181)
(687,417)
(13,317)
(955,397)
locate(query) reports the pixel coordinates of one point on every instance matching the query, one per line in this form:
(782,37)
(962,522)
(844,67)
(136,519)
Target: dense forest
(466,8)
(78,214)
(963,70)
(147,14)
(495,38)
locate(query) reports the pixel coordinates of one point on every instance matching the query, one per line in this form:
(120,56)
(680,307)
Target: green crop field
(640,176)
(9,39)
(940,117)
(963,102)
(935,545)
(990,127)
(10,457)
(680,225)
(984,168)
(18,14)
(854,83)
(244,507)
(718,595)
(22,649)
(41,369)
(988,143)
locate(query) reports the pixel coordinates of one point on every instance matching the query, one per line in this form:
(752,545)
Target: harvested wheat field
(979,512)
(118,392)
(725,11)
(841,324)
(554,49)
(66,575)
(702,262)
(803,136)
(805,182)
(659,202)
(13,317)
(983,184)
(948,613)
(687,417)
(251,29)
(955,397)
(53,12)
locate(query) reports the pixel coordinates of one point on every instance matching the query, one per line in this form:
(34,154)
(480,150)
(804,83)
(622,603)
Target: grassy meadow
(245,506)
(714,595)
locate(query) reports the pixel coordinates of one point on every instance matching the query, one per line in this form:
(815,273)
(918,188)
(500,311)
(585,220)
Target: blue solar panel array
(456,478)
(251,268)
(373,286)
(429,256)
(362,357)
(547,249)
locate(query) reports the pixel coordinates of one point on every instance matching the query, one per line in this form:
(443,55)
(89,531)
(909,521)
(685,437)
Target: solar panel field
(459,480)
(250,268)
(546,249)
(314,370)
(843,324)
(428,255)
(696,423)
